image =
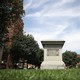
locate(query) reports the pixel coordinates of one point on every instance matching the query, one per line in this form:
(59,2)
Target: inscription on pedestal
(52,52)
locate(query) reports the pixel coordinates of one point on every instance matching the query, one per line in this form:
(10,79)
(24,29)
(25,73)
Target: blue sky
(54,20)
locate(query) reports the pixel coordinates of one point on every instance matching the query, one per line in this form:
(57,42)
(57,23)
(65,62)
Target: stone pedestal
(52,65)
(52,55)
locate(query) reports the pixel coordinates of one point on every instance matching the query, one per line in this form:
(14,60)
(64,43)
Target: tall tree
(11,12)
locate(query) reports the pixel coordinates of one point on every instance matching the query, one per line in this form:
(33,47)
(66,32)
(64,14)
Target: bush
(78,66)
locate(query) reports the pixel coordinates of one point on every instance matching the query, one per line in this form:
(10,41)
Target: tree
(39,58)
(10,12)
(26,48)
(70,58)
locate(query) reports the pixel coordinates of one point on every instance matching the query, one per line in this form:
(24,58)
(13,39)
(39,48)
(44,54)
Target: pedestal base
(52,65)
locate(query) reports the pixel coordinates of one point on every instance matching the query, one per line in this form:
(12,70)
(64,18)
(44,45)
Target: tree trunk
(1,52)
(9,63)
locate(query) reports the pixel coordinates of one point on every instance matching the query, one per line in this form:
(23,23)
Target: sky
(54,20)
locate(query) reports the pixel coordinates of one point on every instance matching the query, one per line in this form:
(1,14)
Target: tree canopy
(10,11)
(27,48)
(70,58)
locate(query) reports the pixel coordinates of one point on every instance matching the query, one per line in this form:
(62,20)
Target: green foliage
(70,58)
(10,11)
(27,48)
(70,74)
(78,66)
(39,57)
(78,59)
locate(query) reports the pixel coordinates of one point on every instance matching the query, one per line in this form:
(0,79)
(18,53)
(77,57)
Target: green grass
(70,74)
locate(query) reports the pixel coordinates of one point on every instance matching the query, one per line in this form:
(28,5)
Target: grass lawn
(69,74)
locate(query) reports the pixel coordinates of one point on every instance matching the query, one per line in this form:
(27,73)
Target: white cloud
(62,2)
(37,14)
(47,32)
(34,4)
(27,5)
(72,39)
(52,10)
(48,29)
(72,12)
(38,3)
(67,1)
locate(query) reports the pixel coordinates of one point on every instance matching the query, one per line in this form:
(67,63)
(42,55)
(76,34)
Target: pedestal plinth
(52,55)
(52,65)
